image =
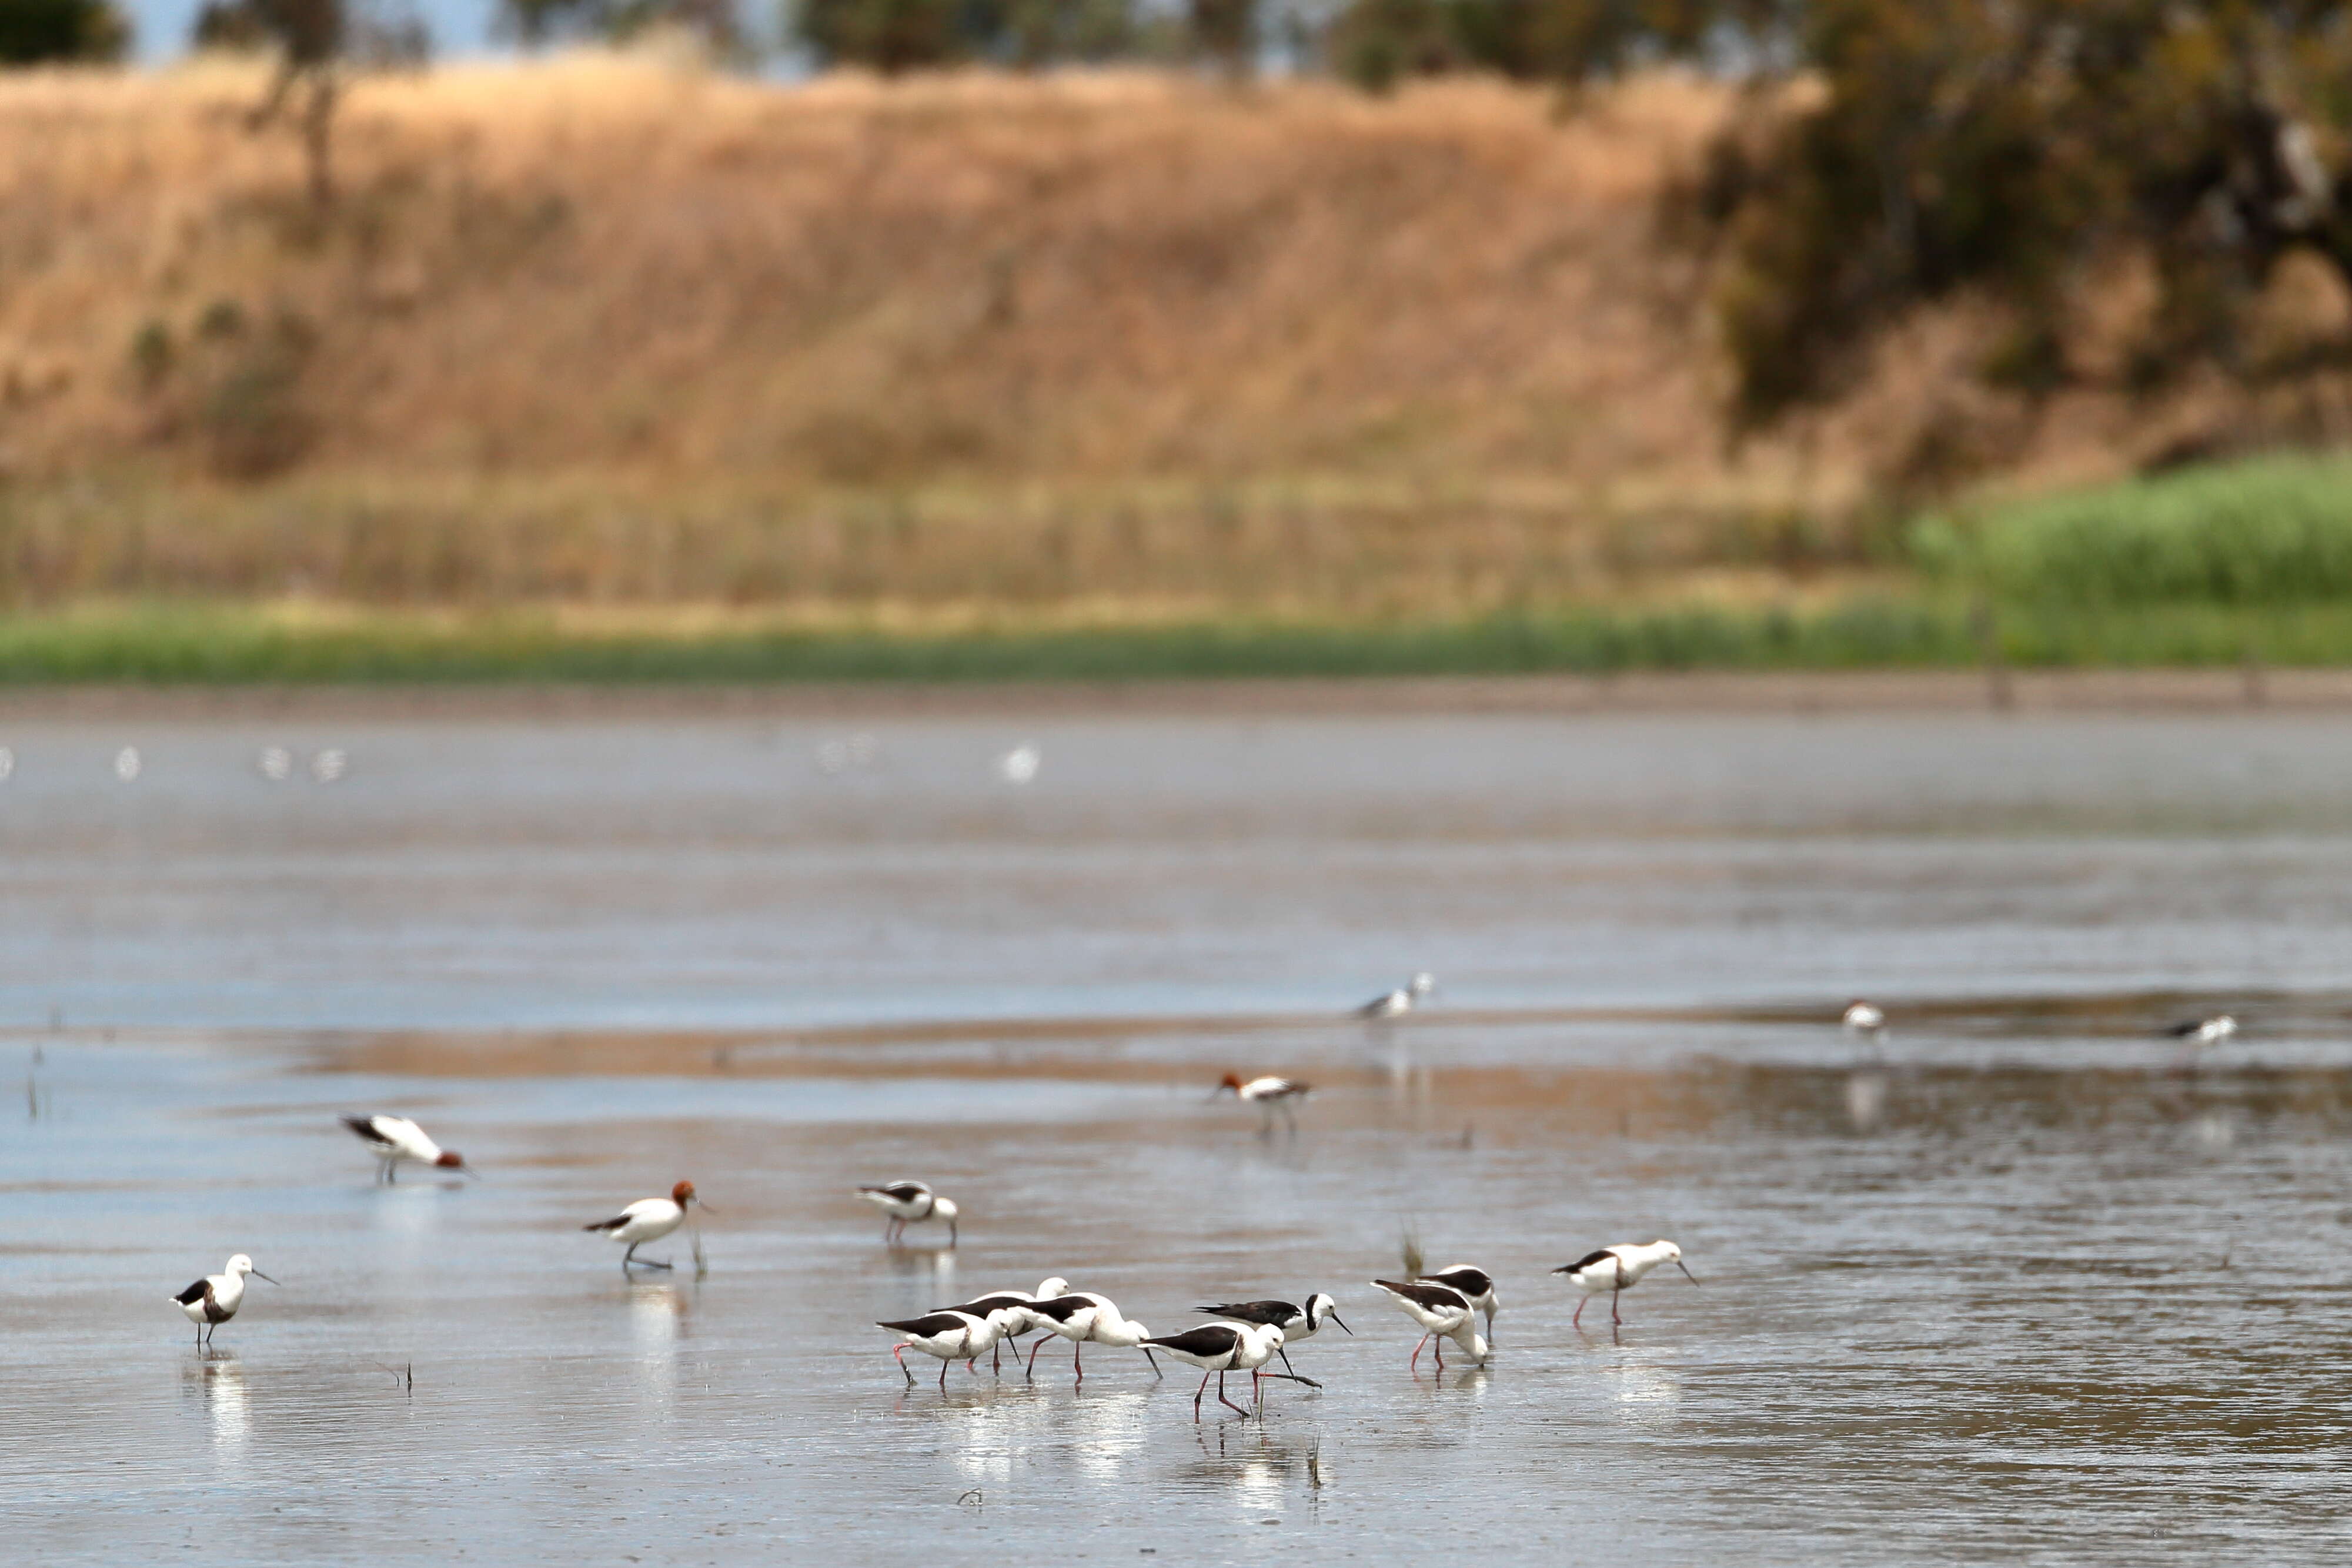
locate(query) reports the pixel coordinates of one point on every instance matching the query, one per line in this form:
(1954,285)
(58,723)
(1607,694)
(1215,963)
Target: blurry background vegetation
(1114,337)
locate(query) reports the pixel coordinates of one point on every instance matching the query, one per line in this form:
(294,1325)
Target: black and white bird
(397,1139)
(1862,1018)
(1220,1348)
(1397,1003)
(1477,1287)
(1443,1312)
(1613,1271)
(1296,1323)
(215,1298)
(910,1203)
(647,1219)
(1083,1317)
(2204,1031)
(950,1336)
(1268,1094)
(1010,1310)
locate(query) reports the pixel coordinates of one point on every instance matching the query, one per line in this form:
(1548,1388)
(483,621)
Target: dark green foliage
(892,36)
(34,32)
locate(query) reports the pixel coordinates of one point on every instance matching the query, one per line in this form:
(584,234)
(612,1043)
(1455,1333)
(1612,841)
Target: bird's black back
(1587,1261)
(1062,1308)
(1208,1340)
(930,1325)
(1469,1281)
(1276,1314)
(365,1127)
(193,1293)
(899,1191)
(987,1304)
(1422,1293)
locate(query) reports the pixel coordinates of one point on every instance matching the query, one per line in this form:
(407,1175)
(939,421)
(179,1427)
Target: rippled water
(2022,1282)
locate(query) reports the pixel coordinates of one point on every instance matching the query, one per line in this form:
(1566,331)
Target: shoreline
(2023,692)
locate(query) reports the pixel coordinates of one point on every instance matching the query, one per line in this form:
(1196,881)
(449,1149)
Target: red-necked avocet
(1268,1094)
(1443,1312)
(2204,1031)
(394,1139)
(1010,1309)
(1477,1287)
(1861,1018)
(1220,1348)
(910,1203)
(1613,1271)
(949,1335)
(214,1300)
(1080,1316)
(1295,1323)
(1397,1003)
(647,1219)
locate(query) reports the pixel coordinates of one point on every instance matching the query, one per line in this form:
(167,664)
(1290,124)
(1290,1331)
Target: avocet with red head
(1220,1348)
(397,1139)
(1268,1094)
(950,1336)
(1443,1312)
(1613,1271)
(647,1219)
(215,1298)
(910,1203)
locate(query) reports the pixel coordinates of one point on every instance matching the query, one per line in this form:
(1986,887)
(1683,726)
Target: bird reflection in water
(1257,1467)
(1865,1099)
(218,1379)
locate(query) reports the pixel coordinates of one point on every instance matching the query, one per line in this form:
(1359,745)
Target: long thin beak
(1215,1095)
(469,1172)
(704,1207)
(259,1275)
(1335,1318)
(1686,1273)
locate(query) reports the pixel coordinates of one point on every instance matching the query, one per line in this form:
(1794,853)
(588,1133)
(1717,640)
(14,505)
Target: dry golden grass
(609,330)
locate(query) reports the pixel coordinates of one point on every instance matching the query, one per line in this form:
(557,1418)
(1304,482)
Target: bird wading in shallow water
(950,1336)
(1613,1271)
(1397,1003)
(647,1219)
(1443,1312)
(215,1298)
(1268,1094)
(910,1203)
(1477,1288)
(1219,1348)
(1861,1018)
(1296,1323)
(1010,1310)
(2203,1031)
(397,1139)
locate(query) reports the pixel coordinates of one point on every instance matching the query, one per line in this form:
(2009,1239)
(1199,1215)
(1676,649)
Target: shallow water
(2024,1281)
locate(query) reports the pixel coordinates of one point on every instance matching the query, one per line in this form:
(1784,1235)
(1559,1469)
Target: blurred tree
(894,36)
(1225,32)
(36,31)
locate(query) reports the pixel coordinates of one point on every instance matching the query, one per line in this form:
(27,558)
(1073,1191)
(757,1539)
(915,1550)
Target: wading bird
(214,1300)
(1220,1348)
(1080,1316)
(1010,1310)
(2204,1031)
(1477,1288)
(1295,1323)
(647,1219)
(1861,1018)
(1613,1271)
(1397,1003)
(1268,1094)
(910,1203)
(950,1336)
(1443,1312)
(394,1139)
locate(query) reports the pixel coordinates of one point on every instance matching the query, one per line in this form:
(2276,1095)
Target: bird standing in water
(1613,1271)
(396,1139)
(215,1298)
(647,1219)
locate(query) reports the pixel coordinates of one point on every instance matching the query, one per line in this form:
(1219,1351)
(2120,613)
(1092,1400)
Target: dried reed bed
(612,329)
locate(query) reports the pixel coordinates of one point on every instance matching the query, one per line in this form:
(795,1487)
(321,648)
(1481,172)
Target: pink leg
(1196,1395)
(1415,1362)
(1441,1355)
(901,1353)
(943,1376)
(1077,1363)
(1578,1321)
(1225,1402)
(1032,1367)
(1613,1318)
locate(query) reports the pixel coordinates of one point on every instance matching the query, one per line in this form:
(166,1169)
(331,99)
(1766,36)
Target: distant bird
(1010,1310)
(1861,1018)
(950,1336)
(1613,1271)
(1220,1348)
(647,1219)
(1019,765)
(397,1138)
(1268,1094)
(1079,1316)
(910,1203)
(1477,1287)
(214,1300)
(1397,1003)
(1443,1312)
(2204,1031)
(1296,1323)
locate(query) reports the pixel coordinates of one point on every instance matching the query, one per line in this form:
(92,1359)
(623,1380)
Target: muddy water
(2021,1282)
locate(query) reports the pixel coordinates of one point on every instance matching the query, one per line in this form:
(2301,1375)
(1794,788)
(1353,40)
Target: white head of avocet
(1613,1271)
(1443,1312)
(949,1335)
(910,1203)
(215,1298)
(1397,1003)
(1220,1348)
(396,1139)
(647,1219)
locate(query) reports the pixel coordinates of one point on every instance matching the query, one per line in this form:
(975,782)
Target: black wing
(2183,1031)
(193,1293)
(899,1191)
(987,1304)
(614,1223)
(1278,1314)
(1587,1261)
(365,1127)
(1468,1281)
(1436,1298)
(1062,1308)
(1377,1006)
(1209,1339)
(930,1325)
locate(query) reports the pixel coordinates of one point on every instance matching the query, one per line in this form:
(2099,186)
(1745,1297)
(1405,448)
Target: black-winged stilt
(214,1300)
(1443,1312)
(1268,1094)
(1295,1323)
(950,1336)
(1397,1003)
(1477,1288)
(1220,1348)
(910,1203)
(647,1219)
(1613,1271)
(396,1139)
